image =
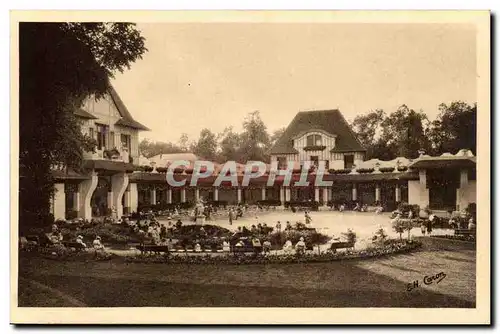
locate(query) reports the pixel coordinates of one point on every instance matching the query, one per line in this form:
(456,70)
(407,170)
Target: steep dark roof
(84,114)
(330,121)
(127,119)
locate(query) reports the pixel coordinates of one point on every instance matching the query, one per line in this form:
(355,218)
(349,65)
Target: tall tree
(403,132)
(206,147)
(454,128)
(254,139)
(184,143)
(229,143)
(275,136)
(60,65)
(368,129)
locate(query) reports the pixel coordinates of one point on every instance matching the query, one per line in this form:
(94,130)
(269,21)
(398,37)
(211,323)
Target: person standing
(278,226)
(230,216)
(429,224)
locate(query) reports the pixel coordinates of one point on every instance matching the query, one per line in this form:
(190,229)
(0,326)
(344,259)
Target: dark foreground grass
(118,284)
(99,292)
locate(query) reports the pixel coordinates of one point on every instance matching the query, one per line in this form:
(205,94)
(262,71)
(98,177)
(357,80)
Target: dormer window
(314,140)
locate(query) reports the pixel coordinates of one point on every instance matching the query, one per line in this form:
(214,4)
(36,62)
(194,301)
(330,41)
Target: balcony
(108,154)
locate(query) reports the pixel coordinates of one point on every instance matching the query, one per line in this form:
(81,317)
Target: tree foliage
(206,147)
(455,128)
(60,65)
(405,132)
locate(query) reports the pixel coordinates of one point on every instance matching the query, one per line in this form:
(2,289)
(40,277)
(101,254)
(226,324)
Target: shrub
(339,171)
(380,237)
(398,227)
(386,169)
(350,236)
(405,208)
(402,168)
(365,170)
(161,169)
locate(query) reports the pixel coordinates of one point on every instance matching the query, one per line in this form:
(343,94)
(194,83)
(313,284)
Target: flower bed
(390,248)
(109,233)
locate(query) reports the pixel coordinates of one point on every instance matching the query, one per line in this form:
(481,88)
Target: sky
(211,75)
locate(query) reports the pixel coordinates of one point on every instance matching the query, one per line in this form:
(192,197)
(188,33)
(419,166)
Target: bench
(341,245)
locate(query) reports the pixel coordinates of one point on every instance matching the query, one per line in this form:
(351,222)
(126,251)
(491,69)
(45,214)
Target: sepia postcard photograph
(250,167)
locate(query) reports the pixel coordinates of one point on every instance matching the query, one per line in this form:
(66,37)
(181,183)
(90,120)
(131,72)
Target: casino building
(117,178)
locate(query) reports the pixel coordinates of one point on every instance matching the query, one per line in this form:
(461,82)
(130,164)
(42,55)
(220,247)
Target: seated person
(55,237)
(225,246)
(357,207)
(288,247)
(300,247)
(257,246)
(288,226)
(197,247)
(379,209)
(97,243)
(239,246)
(342,207)
(266,246)
(364,208)
(79,240)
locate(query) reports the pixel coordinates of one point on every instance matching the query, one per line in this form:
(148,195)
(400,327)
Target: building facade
(104,186)
(119,180)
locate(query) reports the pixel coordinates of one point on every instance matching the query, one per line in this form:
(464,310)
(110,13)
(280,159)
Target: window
(314,140)
(327,164)
(91,133)
(348,161)
(102,131)
(125,140)
(281,162)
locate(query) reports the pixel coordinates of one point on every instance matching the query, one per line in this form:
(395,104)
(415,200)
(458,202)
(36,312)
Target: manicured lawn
(337,284)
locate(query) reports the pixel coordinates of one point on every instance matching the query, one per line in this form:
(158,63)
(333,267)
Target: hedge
(365,170)
(386,169)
